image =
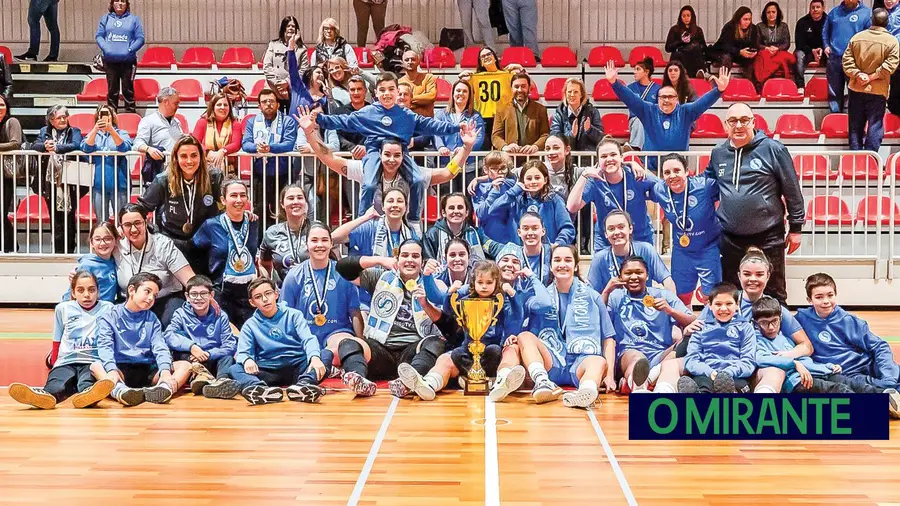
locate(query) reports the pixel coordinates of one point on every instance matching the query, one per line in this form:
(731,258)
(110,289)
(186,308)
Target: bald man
(753,173)
(423,84)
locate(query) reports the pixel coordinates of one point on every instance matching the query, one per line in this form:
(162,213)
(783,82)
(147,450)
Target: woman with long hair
(677,77)
(110,191)
(491,88)
(459,109)
(331,44)
(686,42)
(220,134)
(277,53)
(284,243)
(739,42)
(577,118)
(774,41)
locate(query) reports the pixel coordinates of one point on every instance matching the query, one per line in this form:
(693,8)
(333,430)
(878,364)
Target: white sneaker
(414,381)
(507,385)
(581,398)
(546,391)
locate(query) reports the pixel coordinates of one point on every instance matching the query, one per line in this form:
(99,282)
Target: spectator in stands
(475,18)
(220,137)
(424,85)
(577,118)
(47,9)
(110,188)
(739,42)
(332,45)
(667,124)
(522,126)
(645,88)
(774,41)
(337,83)
(157,133)
(672,76)
(142,251)
(364,9)
(120,36)
(276,54)
(489,99)
(404,95)
(58,138)
(521,18)
(6,81)
(841,23)
(284,243)
(808,41)
(754,173)
(870,59)
(352,141)
(314,81)
(11,139)
(459,109)
(183,197)
(686,42)
(268,133)
(893,102)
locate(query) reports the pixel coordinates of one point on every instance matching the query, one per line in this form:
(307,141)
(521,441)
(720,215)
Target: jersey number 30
(489,91)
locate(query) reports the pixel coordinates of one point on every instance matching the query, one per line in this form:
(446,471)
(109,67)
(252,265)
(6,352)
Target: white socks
(664,388)
(589,385)
(435,381)
(654,374)
(764,389)
(537,372)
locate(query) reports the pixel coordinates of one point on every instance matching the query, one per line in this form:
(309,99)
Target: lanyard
(143,255)
(188,192)
(287,229)
(541,268)
(239,246)
(320,299)
(612,194)
(616,260)
(389,239)
(682,222)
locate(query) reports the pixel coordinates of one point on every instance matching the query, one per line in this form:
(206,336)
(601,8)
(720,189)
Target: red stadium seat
(32,208)
(640,52)
(184,126)
(94,91)
(702,164)
(762,125)
(891,126)
(633,157)
(444,90)
(559,57)
(146,89)
(616,124)
(795,126)
(237,58)
(828,210)
(199,57)
(189,90)
(709,126)
(892,165)
(85,212)
(834,126)
(469,58)
(432,211)
(701,86)
(740,90)
(363,58)
(777,89)
(603,91)
(600,55)
(129,121)
(439,58)
(136,169)
(813,167)
(159,57)
(535,93)
(521,55)
(657,80)
(555,89)
(868,211)
(816,89)
(7,54)
(862,166)
(257,87)
(83,121)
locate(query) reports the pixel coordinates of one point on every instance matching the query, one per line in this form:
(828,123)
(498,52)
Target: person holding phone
(110,188)
(738,42)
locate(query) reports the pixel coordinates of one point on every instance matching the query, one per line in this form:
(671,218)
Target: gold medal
(239,265)
(684,241)
(187,228)
(411,285)
(319,319)
(395,251)
(649,300)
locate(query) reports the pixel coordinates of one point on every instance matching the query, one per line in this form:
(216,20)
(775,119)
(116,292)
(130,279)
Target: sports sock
(664,388)
(590,385)
(118,389)
(435,381)
(764,389)
(654,374)
(537,372)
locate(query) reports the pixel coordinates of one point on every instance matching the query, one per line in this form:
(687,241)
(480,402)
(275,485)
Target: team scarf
(383,245)
(217,139)
(469,234)
(386,301)
(580,333)
(271,134)
(239,267)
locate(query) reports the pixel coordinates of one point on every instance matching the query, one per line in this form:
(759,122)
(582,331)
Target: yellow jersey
(493,92)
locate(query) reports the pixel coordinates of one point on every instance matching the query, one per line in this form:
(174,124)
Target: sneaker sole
(723,384)
(578,399)
(94,394)
(686,386)
(408,376)
(256,395)
(640,372)
(223,390)
(132,397)
(157,394)
(309,394)
(514,380)
(545,396)
(25,395)
(198,385)
(894,400)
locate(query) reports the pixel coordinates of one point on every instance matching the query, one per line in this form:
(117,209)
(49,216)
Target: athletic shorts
(138,375)
(566,374)
(689,267)
(654,358)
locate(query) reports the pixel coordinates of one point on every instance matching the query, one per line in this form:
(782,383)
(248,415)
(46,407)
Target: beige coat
(874,52)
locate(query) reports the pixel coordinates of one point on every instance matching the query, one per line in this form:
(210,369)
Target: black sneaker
(130,396)
(723,384)
(687,386)
(224,388)
(640,373)
(26,57)
(158,394)
(261,394)
(305,392)
(51,59)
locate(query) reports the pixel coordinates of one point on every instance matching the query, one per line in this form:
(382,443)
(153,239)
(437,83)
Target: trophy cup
(475,316)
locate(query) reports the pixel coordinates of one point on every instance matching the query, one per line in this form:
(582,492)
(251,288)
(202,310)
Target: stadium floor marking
(629,496)
(373,453)
(491,459)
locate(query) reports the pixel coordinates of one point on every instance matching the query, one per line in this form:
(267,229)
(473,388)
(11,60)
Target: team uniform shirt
(557,179)
(340,298)
(789,324)
(131,337)
(172,212)
(643,328)
(724,347)
(629,195)
(539,264)
(105,272)
(159,256)
(766,357)
(280,341)
(492,92)
(606,265)
(284,248)
(217,239)
(514,201)
(212,332)
(75,329)
(648,93)
(362,238)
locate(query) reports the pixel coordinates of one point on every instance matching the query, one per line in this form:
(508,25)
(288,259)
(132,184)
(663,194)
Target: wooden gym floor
(381,451)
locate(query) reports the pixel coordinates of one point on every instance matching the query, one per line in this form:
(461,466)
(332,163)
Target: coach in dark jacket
(753,173)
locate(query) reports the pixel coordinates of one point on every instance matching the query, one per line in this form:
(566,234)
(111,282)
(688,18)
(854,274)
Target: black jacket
(5,78)
(727,42)
(751,182)
(808,34)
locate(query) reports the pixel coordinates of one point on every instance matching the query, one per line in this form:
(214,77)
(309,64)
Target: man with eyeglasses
(667,124)
(754,173)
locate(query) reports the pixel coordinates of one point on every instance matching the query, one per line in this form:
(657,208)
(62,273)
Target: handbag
(14,167)
(77,173)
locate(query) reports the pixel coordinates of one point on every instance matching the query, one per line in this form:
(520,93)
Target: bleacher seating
(438,58)
(860,167)
(701,86)
(891,126)
(834,126)
(828,210)
(237,58)
(94,91)
(640,52)
(363,58)
(873,209)
(129,121)
(197,58)
(600,55)
(709,126)
(778,89)
(740,90)
(763,125)
(816,89)
(146,89)
(559,57)
(83,121)
(555,89)
(469,58)
(616,124)
(7,54)
(85,210)
(444,90)
(257,87)
(188,89)
(814,168)
(521,55)
(31,210)
(159,57)
(795,126)
(603,92)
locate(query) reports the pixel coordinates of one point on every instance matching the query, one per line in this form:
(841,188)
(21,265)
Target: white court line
(629,497)
(491,462)
(373,452)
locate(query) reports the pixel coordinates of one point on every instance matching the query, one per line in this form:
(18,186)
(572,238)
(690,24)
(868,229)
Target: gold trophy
(475,316)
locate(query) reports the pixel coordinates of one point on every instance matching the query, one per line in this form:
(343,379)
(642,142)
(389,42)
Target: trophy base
(476,388)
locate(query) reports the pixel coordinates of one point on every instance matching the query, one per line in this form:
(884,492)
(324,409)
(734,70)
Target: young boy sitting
(132,348)
(722,356)
(203,343)
(866,363)
(803,374)
(275,347)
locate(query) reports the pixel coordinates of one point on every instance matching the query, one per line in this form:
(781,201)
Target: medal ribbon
(244,233)
(541,269)
(312,277)
(683,221)
(188,192)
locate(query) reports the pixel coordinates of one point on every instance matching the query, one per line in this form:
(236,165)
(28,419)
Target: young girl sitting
(100,261)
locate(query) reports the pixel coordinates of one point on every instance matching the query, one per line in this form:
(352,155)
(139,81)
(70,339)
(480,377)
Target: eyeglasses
(769,323)
(103,240)
(268,294)
(133,224)
(486,57)
(268,101)
(198,295)
(739,122)
(668,97)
